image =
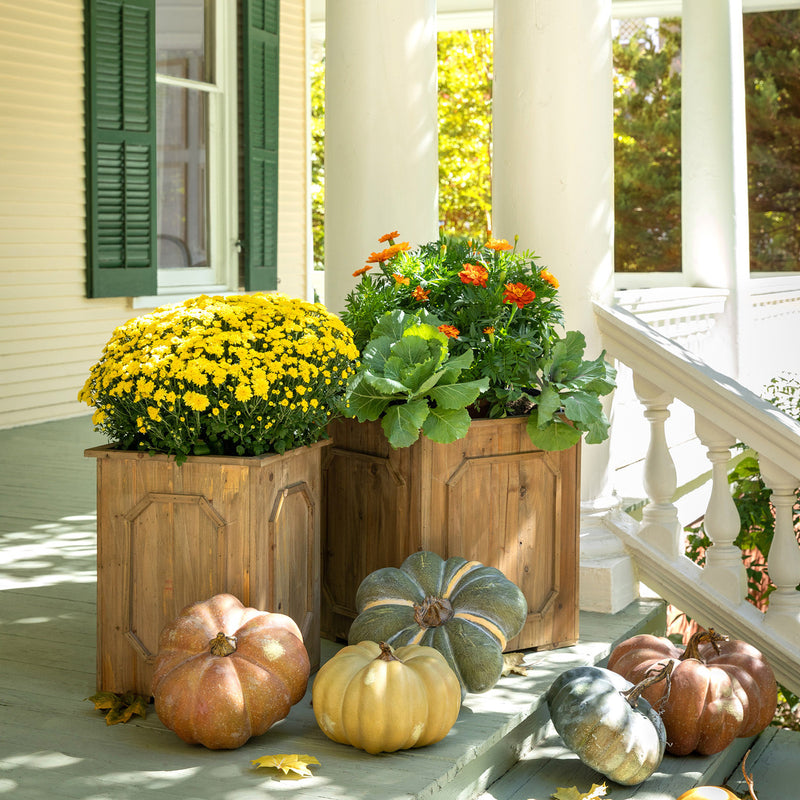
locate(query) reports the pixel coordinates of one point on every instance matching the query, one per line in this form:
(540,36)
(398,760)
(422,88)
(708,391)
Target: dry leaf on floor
(119,707)
(287,763)
(512,664)
(598,790)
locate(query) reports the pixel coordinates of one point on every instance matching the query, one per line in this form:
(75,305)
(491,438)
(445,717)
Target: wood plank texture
(170,535)
(491,497)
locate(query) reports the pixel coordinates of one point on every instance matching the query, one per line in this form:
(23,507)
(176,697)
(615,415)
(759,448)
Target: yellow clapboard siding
(41,286)
(26,369)
(40,24)
(40,321)
(13,394)
(42,272)
(89,344)
(48,406)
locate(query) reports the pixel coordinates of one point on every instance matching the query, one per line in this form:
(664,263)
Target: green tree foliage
(465,132)
(772,69)
(318,161)
(647,135)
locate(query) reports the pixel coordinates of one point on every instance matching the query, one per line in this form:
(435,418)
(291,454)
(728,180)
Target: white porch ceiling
(463,14)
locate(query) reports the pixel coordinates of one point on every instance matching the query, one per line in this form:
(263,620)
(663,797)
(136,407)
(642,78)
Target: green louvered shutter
(120,147)
(260,98)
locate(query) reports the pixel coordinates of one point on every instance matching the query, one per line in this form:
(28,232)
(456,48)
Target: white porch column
(553,168)
(381,144)
(553,185)
(714,207)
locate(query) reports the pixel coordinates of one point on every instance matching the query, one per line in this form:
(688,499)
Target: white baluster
(724,569)
(660,524)
(784,555)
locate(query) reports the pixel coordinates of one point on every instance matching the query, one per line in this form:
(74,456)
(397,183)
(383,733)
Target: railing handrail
(670,366)
(724,412)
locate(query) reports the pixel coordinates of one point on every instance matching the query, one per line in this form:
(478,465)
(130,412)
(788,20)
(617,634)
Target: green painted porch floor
(53,744)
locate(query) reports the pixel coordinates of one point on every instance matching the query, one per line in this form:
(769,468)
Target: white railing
(725,412)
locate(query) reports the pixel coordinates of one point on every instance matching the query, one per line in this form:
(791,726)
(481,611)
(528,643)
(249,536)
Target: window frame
(222,210)
(122,212)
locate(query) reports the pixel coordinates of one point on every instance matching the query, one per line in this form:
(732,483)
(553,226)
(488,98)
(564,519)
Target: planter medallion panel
(170,535)
(491,497)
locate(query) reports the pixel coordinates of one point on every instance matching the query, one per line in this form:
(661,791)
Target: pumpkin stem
(748,779)
(433,611)
(386,653)
(652,676)
(222,645)
(693,645)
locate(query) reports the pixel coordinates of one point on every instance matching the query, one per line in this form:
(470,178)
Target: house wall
(50,333)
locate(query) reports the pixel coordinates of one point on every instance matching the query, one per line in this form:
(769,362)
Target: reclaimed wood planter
(491,497)
(170,535)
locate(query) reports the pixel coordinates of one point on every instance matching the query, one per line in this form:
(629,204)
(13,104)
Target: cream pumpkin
(382,700)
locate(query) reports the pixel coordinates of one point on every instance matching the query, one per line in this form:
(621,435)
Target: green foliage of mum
(240,375)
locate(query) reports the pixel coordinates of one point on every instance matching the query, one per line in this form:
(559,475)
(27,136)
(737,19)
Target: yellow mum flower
(243,393)
(196,401)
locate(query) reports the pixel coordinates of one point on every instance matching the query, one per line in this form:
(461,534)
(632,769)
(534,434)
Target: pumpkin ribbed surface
(462,608)
(720,689)
(380,700)
(225,673)
(599,725)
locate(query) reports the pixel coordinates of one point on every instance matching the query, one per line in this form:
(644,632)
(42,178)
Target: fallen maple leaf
(119,707)
(512,664)
(287,763)
(598,790)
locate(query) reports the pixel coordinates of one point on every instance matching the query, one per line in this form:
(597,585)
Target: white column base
(608,580)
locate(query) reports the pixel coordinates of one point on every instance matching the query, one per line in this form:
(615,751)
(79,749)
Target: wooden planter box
(490,497)
(170,535)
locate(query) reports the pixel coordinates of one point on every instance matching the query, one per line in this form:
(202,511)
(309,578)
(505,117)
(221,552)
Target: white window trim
(223,196)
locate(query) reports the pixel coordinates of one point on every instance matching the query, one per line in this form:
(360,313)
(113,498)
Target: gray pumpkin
(597,722)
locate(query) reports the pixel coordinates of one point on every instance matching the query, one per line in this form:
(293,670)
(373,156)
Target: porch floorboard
(54,744)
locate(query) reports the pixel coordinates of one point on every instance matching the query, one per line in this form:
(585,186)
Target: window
(195,77)
(162,157)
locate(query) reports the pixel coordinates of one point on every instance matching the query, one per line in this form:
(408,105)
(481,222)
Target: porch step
(550,766)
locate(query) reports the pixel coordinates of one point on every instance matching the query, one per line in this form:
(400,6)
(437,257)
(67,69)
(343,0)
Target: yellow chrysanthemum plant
(240,375)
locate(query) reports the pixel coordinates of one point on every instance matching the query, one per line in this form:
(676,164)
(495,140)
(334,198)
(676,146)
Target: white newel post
(553,186)
(381,142)
(714,199)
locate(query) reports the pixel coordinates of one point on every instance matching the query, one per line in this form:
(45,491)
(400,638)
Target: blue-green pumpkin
(603,719)
(464,609)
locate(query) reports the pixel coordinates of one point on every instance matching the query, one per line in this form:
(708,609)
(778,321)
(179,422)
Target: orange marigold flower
(499,244)
(398,278)
(450,331)
(518,293)
(548,276)
(420,294)
(389,252)
(489,330)
(387,237)
(474,274)
(361,271)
